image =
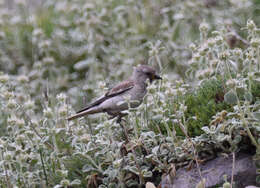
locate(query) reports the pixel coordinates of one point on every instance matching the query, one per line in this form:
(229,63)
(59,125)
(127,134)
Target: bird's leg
(119,121)
(122,115)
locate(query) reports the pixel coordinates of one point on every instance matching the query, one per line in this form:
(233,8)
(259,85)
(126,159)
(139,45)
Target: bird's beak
(155,77)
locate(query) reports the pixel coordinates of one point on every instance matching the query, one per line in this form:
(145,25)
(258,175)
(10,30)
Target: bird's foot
(125,132)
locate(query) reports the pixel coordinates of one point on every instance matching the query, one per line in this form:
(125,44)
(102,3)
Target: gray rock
(213,171)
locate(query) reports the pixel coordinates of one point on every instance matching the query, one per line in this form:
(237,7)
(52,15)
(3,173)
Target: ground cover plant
(56,57)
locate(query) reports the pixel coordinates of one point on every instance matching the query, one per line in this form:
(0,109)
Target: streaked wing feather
(120,88)
(95,103)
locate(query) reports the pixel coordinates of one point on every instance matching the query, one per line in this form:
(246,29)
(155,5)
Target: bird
(115,101)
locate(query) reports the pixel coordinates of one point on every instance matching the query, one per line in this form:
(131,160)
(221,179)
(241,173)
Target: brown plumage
(113,102)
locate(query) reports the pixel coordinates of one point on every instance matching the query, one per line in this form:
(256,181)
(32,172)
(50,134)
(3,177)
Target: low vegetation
(56,58)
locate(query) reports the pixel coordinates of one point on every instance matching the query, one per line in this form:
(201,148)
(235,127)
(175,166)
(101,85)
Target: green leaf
(134,170)
(131,183)
(60,131)
(257,79)
(75,182)
(155,150)
(82,65)
(258,179)
(222,137)
(147,174)
(207,130)
(256,105)
(240,91)
(230,97)
(87,168)
(237,139)
(58,186)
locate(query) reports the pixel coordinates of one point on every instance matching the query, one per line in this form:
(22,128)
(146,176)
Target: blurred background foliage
(57,55)
(69,42)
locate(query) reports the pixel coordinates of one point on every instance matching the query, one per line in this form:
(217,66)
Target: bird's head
(144,72)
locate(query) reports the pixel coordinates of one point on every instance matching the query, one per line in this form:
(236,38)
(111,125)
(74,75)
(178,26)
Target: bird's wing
(117,90)
(120,88)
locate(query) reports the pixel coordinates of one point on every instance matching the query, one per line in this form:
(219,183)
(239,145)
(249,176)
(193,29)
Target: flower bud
(215,33)
(4,78)
(29,133)
(65,182)
(249,55)
(151,89)
(8,95)
(22,79)
(211,42)
(238,52)
(204,73)
(250,25)
(20,123)
(192,46)
(20,138)
(8,156)
(183,108)
(48,61)
(255,42)
(62,173)
(2,35)
(85,138)
(62,97)
(45,44)
(37,32)
(203,51)
(29,105)
(226,185)
(214,63)
(2,143)
(88,6)
(11,104)
(12,120)
(204,27)
(117,163)
(231,83)
(48,112)
(251,75)
(193,63)
(37,64)
(20,2)
(219,40)
(63,111)
(224,55)
(197,57)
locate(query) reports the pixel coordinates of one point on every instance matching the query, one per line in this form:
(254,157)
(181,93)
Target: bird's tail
(92,110)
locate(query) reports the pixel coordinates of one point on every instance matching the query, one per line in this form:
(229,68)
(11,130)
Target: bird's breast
(138,93)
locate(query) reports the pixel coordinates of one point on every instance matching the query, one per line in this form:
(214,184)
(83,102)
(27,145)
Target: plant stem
(193,150)
(141,178)
(245,123)
(43,167)
(233,169)
(6,173)
(258,58)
